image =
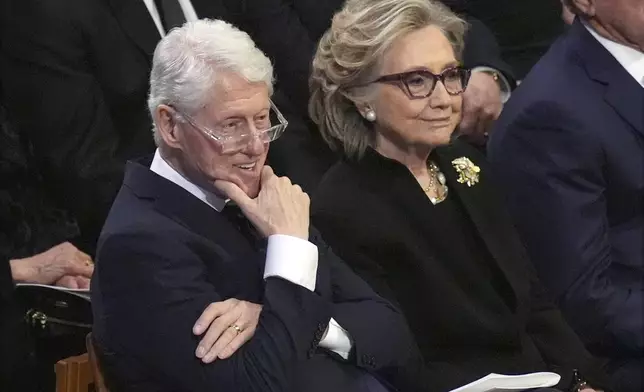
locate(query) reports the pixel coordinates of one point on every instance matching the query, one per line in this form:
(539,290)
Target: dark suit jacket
(164,255)
(375,217)
(524,29)
(570,153)
(297,27)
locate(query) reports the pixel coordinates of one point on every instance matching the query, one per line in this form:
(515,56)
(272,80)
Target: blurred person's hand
(280,207)
(62,265)
(224,327)
(566,13)
(482,105)
(73,282)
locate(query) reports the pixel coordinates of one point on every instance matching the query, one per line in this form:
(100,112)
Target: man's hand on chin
(281,207)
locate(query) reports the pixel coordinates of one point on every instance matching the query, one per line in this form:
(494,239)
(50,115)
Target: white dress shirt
(186,7)
(287,257)
(630,58)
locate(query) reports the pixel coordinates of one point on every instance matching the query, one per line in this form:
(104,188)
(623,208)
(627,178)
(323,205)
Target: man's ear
(165,119)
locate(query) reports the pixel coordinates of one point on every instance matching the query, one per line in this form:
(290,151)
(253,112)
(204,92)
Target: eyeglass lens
(421,84)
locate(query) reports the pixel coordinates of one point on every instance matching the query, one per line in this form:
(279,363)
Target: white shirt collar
(186,7)
(162,168)
(631,59)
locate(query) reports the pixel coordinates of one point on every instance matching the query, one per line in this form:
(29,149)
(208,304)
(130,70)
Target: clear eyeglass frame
(239,141)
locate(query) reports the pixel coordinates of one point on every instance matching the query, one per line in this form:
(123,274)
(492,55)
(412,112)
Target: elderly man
(570,149)
(174,246)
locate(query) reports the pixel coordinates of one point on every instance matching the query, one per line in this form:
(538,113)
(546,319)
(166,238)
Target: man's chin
(251,190)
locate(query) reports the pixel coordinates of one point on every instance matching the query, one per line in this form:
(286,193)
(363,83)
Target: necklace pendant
(441,178)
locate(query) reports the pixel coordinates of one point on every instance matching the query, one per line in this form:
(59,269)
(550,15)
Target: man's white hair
(188,60)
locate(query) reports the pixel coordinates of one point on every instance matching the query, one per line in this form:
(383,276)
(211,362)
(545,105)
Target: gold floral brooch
(468,172)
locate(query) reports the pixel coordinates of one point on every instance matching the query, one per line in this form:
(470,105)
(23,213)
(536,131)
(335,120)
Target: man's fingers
(67,282)
(224,340)
(234,193)
(236,343)
(211,312)
(80,267)
(83,282)
(216,329)
(267,173)
(469,121)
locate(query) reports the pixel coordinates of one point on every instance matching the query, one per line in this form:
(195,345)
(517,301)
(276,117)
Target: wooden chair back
(99,381)
(73,374)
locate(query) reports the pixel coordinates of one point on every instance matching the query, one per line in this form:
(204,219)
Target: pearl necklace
(436,174)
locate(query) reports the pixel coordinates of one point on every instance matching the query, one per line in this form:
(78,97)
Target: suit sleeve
(357,308)
(414,373)
(553,174)
(52,94)
(168,281)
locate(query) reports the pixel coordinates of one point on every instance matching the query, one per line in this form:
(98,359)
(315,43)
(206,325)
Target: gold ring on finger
(236,328)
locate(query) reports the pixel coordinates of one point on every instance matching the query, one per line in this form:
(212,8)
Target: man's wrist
(500,79)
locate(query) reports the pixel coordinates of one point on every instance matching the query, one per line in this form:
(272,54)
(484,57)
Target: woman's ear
(165,119)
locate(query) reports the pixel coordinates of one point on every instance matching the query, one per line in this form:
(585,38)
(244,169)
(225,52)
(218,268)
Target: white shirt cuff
(504,84)
(337,339)
(293,259)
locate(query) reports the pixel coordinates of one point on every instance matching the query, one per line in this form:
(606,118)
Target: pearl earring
(370,115)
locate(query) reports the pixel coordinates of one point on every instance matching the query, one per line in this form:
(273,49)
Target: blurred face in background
(619,20)
(412,109)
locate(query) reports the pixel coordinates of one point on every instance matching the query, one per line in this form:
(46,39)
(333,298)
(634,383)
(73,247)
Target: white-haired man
(278,313)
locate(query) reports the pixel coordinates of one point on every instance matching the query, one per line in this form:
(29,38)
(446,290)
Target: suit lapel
(626,97)
(134,18)
(482,208)
(623,93)
(184,208)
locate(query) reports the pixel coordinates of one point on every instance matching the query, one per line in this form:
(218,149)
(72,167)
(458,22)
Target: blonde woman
(415,214)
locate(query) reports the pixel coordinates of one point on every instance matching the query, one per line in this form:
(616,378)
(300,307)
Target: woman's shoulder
(344,189)
(459,148)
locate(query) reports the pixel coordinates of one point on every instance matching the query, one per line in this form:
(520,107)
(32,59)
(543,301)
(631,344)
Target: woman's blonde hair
(349,55)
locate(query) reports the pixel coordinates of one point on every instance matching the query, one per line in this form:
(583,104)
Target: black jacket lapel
(482,205)
(623,93)
(181,206)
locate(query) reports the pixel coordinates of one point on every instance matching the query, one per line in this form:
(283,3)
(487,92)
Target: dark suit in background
(164,255)
(75,79)
(457,269)
(29,224)
(569,149)
(75,83)
(524,29)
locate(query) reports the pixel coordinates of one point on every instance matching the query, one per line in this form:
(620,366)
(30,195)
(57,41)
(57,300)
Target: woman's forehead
(425,48)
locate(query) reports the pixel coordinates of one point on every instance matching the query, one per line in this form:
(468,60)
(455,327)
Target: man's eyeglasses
(421,83)
(235,134)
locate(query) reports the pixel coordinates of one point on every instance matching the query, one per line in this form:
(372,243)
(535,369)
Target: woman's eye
(416,80)
(453,75)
